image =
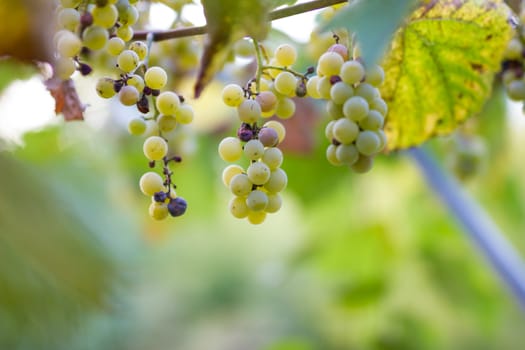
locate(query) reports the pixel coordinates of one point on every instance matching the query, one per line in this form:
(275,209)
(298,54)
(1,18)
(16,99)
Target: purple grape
(268,137)
(177,206)
(160,196)
(245,132)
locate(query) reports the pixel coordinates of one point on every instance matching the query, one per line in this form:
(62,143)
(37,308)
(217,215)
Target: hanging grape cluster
(355,105)
(90,27)
(102,30)
(256,187)
(513,66)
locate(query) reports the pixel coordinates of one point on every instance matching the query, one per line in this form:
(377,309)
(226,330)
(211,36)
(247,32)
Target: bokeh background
(351,261)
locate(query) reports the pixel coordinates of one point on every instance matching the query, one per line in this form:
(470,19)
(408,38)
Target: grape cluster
(355,106)
(255,188)
(86,26)
(513,65)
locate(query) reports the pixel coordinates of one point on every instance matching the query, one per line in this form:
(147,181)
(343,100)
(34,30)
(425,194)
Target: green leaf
(372,25)
(441,66)
(227,22)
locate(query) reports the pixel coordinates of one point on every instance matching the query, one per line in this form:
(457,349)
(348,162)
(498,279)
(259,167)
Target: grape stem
(258,74)
(476,223)
(284,69)
(160,35)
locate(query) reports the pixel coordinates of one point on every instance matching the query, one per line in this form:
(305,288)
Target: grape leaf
(441,66)
(370,23)
(228,21)
(66,98)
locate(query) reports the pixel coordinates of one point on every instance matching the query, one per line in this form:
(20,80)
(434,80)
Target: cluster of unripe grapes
(355,105)
(87,26)
(256,187)
(513,66)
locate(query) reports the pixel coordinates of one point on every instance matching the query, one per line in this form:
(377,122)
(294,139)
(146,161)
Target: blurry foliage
(351,262)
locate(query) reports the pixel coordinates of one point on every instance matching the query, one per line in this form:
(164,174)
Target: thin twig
(159,35)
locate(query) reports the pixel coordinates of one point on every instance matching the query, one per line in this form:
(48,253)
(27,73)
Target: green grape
(230,149)
(514,49)
(136,81)
(275,203)
(347,154)
(136,126)
(268,101)
(128,95)
(69,45)
(140,48)
(69,18)
(285,83)
(331,155)
(368,143)
(258,173)
(167,102)
(105,87)
(128,16)
(253,149)
(352,72)
(184,114)
(249,111)
(232,95)
(375,75)
(367,91)
(155,148)
(334,110)
(257,200)
(94,37)
(166,123)
(152,128)
(516,90)
(273,157)
(329,130)
(125,33)
(329,64)
(158,211)
(340,92)
(311,87)
(363,164)
(324,87)
(285,55)
(277,181)
(382,138)
(256,217)
(128,61)
(278,127)
(115,46)
(243,48)
(105,16)
(150,183)
(285,108)
(229,172)
(356,108)
(373,121)
(238,207)
(379,105)
(156,78)
(345,131)
(240,185)
(64,67)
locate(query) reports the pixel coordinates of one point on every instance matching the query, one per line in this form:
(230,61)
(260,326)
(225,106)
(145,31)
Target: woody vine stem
(272,16)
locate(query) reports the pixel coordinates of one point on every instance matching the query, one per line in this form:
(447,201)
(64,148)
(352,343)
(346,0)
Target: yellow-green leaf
(440,68)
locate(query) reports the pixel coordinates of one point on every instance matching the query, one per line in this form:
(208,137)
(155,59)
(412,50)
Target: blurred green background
(351,261)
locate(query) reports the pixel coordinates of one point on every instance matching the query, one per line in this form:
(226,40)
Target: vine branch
(160,35)
(476,223)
